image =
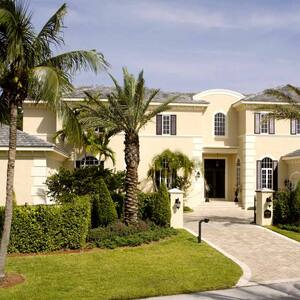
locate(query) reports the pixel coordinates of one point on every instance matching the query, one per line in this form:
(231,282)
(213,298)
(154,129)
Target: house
(234,147)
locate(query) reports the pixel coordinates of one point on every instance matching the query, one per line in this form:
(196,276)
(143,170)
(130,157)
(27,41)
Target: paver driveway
(269,256)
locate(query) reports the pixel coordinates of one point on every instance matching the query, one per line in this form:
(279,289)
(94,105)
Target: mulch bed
(12,279)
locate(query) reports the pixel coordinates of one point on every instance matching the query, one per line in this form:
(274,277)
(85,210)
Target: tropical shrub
(155,207)
(287,205)
(44,228)
(173,169)
(289,227)
(103,208)
(64,185)
(120,235)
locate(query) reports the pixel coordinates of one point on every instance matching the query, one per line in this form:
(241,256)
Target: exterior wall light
(198,175)
(200,228)
(177,203)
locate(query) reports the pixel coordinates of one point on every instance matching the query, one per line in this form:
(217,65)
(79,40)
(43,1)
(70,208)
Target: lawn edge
(245,278)
(280,234)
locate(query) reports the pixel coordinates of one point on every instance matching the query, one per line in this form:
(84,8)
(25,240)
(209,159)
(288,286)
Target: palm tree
(288,94)
(28,69)
(127,111)
(167,166)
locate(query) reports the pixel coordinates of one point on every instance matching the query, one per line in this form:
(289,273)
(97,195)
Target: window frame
(162,124)
(219,126)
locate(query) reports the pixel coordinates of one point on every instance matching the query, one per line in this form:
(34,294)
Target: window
(238,173)
(263,124)
(88,161)
(295,126)
(267,170)
(166,124)
(219,124)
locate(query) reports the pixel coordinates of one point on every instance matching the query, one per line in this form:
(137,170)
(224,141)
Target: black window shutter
(77,164)
(257,123)
(293,126)
(275,175)
(258,175)
(271,126)
(159,125)
(173,125)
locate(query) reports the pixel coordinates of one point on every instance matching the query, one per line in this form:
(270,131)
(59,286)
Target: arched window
(267,174)
(238,173)
(219,124)
(88,161)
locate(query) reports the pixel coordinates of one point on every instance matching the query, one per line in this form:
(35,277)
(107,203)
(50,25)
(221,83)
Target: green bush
(120,235)
(289,227)
(64,185)
(44,228)
(187,209)
(162,209)
(287,205)
(103,208)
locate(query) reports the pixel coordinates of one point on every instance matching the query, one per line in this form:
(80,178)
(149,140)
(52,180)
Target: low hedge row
(45,228)
(289,227)
(120,235)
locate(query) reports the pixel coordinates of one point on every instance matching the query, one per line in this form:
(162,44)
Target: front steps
(219,204)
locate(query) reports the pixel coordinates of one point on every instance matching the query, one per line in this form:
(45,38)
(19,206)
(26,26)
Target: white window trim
(226,125)
(297,133)
(162,124)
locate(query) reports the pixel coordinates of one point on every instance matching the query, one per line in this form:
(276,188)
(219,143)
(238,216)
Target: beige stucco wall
(39,121)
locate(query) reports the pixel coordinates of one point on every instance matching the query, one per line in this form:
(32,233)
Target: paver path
(270,257)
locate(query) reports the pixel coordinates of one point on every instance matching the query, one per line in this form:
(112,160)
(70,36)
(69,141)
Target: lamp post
(200,228)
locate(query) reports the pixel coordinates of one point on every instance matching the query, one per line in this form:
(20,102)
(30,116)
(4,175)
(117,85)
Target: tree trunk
(132,160)
(9,188)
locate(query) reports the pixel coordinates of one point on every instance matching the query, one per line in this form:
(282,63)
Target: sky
(185,45)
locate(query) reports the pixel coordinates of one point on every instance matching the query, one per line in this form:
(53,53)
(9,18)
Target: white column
(264,207)
(176,197)
(39,176)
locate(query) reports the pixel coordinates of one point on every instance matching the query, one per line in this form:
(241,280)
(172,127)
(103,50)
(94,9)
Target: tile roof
(263,97)
(159,98)
(23,139)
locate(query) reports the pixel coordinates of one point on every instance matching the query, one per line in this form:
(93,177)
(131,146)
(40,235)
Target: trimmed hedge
(45,228)
(120,235)
(103,208)
(289,227)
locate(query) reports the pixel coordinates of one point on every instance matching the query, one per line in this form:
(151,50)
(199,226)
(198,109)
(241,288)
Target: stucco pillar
(176,202)
(195,194)
(264,207)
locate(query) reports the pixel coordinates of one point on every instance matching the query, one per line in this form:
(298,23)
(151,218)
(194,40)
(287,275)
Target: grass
(175,265)
(187,209)
(290,234)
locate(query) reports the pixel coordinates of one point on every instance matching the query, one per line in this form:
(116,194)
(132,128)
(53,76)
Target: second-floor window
(219,123)
(166,124)
(295,126)
(263,124)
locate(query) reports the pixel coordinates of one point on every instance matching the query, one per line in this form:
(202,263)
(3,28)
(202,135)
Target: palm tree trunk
(9,188)
(132,160)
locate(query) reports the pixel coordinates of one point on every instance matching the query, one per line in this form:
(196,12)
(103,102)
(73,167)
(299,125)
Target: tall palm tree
(28,69)
(128,111)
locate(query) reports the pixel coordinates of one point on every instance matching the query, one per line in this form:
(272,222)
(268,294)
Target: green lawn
(291,234)
(176,265)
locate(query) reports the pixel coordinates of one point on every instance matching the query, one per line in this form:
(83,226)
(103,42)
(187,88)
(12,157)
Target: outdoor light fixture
(198,175)
(177,203)
(200,223)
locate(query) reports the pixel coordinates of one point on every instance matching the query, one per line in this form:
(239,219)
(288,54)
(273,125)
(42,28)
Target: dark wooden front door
(215,177)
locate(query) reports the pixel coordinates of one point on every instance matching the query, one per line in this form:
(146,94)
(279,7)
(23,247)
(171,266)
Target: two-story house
(221,130)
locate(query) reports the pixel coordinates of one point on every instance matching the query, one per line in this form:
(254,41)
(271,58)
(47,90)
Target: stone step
(220,204)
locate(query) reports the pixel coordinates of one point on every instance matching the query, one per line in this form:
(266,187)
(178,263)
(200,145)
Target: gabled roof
(159,98)
(25,140)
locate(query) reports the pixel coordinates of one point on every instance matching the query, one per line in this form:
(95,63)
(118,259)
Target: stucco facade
(217,129)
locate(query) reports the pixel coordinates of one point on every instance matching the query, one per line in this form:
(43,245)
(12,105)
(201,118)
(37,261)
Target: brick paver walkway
(270,257)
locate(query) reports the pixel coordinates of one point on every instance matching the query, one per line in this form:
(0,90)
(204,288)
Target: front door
(214,173)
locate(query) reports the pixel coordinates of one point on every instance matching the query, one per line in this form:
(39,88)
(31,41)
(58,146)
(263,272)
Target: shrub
(44,228)
(287,205)
(162,209)
(289,227)
(119,199)
(63,185)
(120,235)
(103,208)
(187,209)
